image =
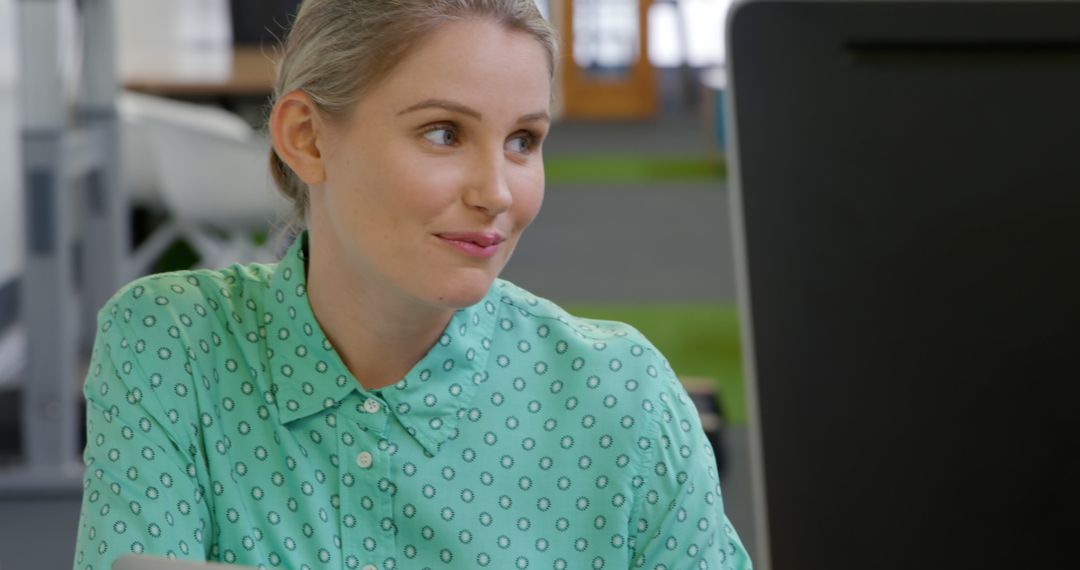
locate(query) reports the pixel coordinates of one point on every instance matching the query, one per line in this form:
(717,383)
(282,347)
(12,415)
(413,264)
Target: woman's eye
(442,136)
(521,144)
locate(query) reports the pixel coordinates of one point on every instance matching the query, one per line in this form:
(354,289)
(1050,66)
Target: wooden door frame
(584,97)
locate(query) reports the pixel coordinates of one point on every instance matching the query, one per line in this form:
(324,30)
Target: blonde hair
(336,49)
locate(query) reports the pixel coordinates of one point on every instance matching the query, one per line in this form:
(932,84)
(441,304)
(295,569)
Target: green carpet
(698,339)
(631,169)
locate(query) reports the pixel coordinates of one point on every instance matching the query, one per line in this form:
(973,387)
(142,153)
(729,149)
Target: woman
(379,399)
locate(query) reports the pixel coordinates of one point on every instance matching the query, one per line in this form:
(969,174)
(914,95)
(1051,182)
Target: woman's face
(432,179)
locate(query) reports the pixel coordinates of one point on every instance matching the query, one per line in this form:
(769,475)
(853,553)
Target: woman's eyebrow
(469,111)
(540,116)
(442,104)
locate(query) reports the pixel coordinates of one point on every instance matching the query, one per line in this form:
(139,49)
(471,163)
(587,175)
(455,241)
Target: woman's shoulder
(613,346)
(163,334)
(604,364)
(547,316)
(189,294)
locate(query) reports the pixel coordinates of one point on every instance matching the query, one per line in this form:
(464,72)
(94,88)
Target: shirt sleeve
(141,493)
(679,522)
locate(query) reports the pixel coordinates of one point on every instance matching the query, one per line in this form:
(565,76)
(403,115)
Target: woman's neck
(379,332)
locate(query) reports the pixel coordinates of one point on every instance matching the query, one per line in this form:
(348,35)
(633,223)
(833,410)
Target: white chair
(138,173)
(212,171)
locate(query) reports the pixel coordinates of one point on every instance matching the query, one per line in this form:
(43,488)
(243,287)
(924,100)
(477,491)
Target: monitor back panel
(909,182)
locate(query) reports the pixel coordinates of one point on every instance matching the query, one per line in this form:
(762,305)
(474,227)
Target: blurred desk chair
(209,171)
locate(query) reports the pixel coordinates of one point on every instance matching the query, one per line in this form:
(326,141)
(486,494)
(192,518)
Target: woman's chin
(463,293)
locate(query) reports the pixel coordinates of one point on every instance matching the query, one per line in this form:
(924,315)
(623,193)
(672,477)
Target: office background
(621,188)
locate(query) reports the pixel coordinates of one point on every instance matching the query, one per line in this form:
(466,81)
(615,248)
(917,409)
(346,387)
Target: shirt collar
(308,376)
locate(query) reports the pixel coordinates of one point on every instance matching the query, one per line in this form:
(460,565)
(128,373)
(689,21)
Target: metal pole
(107,227)
(69,159)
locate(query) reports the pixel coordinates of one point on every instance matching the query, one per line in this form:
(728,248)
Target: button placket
(369,420)
(372,414)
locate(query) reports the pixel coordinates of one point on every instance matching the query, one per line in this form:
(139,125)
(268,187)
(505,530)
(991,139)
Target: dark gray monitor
(261,22)
(906,188)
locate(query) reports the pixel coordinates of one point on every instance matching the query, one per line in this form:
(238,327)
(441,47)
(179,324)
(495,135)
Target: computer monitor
(261,22)
(905,180)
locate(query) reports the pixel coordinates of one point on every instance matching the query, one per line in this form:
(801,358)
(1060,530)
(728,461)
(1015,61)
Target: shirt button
(363,460)
(371,406)
(369,567)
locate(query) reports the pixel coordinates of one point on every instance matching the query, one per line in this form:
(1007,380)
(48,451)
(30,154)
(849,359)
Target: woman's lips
(474,244)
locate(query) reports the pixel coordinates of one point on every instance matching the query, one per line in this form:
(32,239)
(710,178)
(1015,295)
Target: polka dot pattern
(222,425)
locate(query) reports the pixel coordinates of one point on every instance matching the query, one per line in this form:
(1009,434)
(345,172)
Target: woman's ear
(295,129)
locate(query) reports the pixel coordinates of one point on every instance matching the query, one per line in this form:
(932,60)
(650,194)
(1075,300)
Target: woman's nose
(489,189)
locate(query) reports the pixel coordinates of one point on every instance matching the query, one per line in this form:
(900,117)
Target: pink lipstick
(475,244)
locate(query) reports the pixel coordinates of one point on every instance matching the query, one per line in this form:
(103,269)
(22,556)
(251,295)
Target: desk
(239,71)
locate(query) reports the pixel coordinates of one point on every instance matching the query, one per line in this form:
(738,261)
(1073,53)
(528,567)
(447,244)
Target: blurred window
(606,35)
(687,32)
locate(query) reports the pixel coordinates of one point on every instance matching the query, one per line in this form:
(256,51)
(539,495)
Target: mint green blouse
(222,425)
